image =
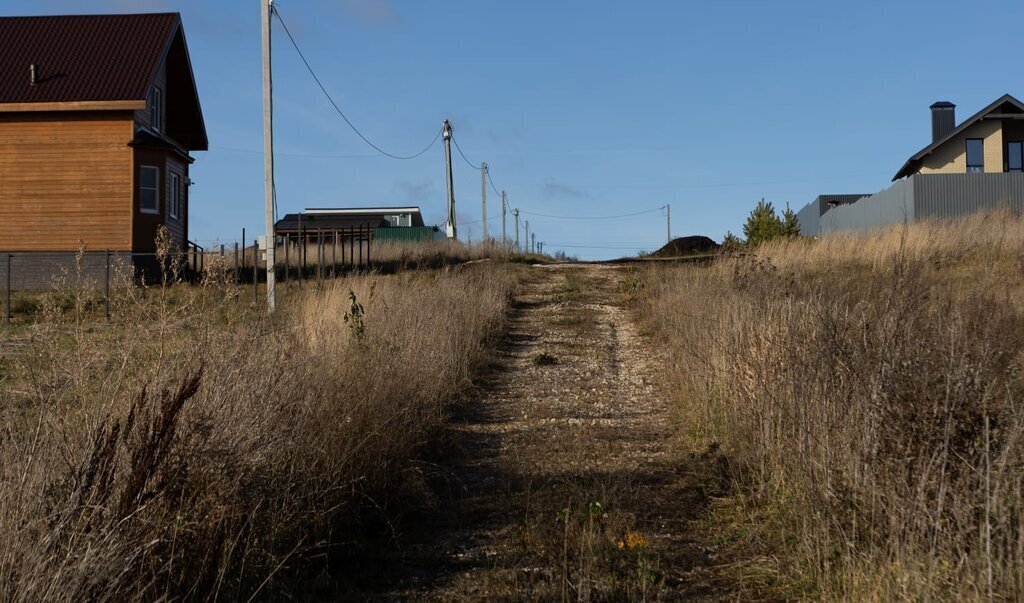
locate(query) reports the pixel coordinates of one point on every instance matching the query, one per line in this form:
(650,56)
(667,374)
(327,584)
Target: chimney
(943,119)
(33,74)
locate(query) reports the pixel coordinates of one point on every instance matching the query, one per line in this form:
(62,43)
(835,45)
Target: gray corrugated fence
(894,205)
(928,197)
(942,196)
(810,218)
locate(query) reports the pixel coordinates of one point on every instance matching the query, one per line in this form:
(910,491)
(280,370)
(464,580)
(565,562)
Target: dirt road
(562,481)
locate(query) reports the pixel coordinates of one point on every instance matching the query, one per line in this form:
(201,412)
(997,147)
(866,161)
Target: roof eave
(204,145)
(906,170)
(99,105)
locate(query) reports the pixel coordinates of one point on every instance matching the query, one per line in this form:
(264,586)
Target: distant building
(976,165)
(394,223)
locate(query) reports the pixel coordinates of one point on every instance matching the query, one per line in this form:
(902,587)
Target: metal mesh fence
(315,255)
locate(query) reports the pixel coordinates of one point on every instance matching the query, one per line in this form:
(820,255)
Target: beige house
(975,166)
(990,141)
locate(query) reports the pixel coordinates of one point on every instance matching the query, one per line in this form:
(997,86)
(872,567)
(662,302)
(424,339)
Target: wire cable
(493,188)
(621,248)
(476,167)
(305,155)
(335,105)
(464,158)
(646,211)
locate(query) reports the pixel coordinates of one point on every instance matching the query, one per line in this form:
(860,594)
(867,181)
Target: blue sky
(580,108)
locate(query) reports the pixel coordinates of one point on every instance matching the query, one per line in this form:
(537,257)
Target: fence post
(255,276)
(351,246)
(8,312)
(238,273)
(369,240)
(334,252)
(106,287)
(361,231)
(319,255)
(287,264)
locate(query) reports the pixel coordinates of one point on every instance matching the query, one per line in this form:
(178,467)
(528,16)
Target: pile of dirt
(684,246)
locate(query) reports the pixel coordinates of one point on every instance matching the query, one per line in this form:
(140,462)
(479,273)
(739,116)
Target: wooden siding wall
(144,239)
(65,178)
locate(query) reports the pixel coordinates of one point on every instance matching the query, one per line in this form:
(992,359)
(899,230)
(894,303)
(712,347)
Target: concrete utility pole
(515,213)
(449,226)
(527,236)
(533,243)
(483,199)
(266,8)
(668,221)
(504,205)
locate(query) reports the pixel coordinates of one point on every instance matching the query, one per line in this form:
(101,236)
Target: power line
(335,105)
(646,211)
(466,159)
(623,247)
(476,167)
(305,155)
(493,188)
(489,220)
(703,185)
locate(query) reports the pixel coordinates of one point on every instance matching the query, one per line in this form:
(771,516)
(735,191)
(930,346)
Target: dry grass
(868,391)
(193,448)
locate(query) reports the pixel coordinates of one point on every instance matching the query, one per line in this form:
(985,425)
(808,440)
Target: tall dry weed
(869,391)
(194,448)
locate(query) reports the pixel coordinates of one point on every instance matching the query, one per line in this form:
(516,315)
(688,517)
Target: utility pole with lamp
(266,9)
(483,199)
(449,226)
(515,214)
(504,208)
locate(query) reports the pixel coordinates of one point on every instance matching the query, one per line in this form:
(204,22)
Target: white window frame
(156,190)
(156,107)
(174,195)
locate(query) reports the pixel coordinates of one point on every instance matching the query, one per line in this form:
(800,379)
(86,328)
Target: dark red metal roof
(82,57)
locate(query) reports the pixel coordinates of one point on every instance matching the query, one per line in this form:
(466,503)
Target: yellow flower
(635,540)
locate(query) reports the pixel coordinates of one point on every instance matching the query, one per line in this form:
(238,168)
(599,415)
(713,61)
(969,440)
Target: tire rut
(561,481)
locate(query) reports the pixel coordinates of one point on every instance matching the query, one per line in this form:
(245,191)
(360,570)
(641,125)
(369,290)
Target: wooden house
(99,116)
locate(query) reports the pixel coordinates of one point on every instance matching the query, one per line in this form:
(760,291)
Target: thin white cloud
(554,190)
(374,12)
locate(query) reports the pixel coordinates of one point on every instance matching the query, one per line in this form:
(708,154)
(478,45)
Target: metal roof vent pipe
(943,119)
(33,74)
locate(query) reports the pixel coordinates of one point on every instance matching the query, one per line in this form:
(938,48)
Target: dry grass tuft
(868,391)
(193,448)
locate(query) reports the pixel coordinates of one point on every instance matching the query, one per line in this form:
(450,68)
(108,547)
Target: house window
(975,155)
(174,195)
(156,107)
(149,189)
(1015,156)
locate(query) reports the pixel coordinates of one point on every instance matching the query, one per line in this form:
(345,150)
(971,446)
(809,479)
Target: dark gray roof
(312,223)
(824,202)
(911,165)
(312,220)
